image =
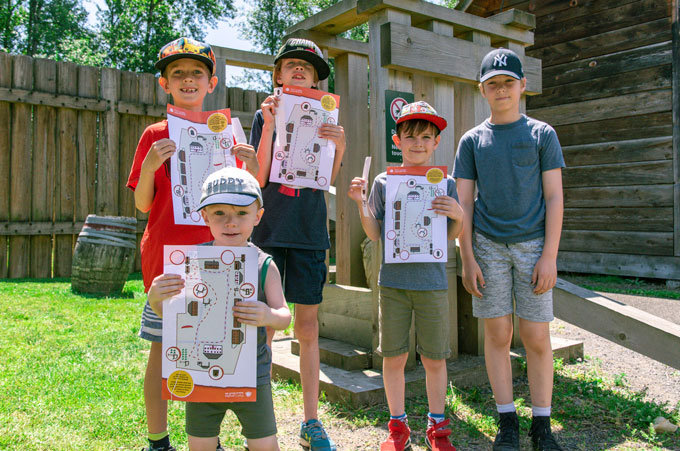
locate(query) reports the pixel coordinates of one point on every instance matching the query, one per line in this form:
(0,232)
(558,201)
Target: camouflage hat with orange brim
(421,110)
(186,48)
(305,49)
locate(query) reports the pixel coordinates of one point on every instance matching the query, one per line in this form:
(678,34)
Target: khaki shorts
(431,309)
(507,270)
(203,419)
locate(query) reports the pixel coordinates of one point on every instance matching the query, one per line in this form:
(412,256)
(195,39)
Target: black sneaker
(541,435)
(507,438)
(163,448)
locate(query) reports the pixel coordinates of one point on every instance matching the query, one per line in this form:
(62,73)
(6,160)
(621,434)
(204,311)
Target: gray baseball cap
(230,186)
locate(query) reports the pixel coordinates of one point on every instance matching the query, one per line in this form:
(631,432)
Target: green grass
(72,373)
(625,285)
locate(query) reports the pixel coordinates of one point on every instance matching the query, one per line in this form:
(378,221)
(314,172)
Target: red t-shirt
(161,228)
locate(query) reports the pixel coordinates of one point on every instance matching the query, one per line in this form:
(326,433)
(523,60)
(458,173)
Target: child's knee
(306,329)
(263,444)
(433,365)
(202,443)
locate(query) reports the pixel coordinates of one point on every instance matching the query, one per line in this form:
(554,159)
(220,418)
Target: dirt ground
(661,382)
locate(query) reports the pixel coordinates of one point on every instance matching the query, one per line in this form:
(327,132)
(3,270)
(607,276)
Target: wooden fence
(68,135)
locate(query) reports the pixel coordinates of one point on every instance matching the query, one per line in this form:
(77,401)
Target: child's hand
(335,133)
(356,188)
(472,275)
(445,205)
(159,151)
(246,153)
(162,288)
(255,313)
(269,109)
(544,276)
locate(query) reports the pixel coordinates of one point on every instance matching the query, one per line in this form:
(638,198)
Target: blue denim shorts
(303,273)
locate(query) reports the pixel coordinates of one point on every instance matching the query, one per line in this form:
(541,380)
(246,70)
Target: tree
(40,27)
(131,32)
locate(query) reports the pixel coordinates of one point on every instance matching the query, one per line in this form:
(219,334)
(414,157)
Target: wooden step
(339,354)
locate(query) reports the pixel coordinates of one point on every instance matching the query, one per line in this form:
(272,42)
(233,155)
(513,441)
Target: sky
(226,34)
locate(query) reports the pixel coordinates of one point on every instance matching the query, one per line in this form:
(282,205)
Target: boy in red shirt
(188,73)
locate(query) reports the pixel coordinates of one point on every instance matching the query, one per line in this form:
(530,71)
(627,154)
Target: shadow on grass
(589,412)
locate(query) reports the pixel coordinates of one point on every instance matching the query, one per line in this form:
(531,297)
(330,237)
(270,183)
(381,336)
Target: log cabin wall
(608,90)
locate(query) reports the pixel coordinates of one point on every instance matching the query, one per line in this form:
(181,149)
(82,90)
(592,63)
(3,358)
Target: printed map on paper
(300,158)
(413,231)
(208,355)
(204,141)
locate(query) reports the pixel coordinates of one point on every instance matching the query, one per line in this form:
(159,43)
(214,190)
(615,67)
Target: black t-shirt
(293,217)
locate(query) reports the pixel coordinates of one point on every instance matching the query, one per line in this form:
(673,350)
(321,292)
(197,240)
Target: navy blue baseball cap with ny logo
(501,62)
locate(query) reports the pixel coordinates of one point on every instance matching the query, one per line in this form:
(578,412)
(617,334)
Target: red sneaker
(437,437)
(399,439)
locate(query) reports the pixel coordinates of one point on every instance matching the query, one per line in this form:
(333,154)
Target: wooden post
(147,95)
(20,167)
(127,143)
(676,127)
(380,80)
(471,109)
(5,152)
(67,83)
(88,87)
(44,145)
(351,83)
(108,174)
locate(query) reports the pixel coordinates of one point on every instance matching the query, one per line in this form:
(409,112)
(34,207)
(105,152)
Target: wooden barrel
(104,255)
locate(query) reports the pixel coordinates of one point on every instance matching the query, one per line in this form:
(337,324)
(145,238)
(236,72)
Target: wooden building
(610,89)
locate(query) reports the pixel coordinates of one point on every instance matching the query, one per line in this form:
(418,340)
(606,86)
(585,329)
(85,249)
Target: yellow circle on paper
(217,122)
(180,384)
(434,175)
(328,102)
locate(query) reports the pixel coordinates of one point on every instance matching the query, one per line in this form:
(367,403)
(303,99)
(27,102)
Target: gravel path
(661,381)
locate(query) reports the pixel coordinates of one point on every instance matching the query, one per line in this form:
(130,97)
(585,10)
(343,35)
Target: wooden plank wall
(607,90)
(68,134)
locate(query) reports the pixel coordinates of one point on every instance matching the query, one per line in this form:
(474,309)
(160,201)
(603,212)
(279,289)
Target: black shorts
(303,273)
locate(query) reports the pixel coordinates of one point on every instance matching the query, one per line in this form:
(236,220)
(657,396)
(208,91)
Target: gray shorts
(151,325)
(507,270)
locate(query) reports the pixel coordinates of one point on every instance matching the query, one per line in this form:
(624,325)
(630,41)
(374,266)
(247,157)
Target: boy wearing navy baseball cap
(510,239)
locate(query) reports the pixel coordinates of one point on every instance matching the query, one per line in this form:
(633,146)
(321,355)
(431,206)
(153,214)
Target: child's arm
(336,134)
(446,205)
(159,151)
(369,223)
(246,153)
(264,148)
(545,271)
(275,313)
(472,273)
(162,288)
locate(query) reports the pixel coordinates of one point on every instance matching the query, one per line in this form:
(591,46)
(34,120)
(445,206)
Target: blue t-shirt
(416,276)
(507,161)
(293,218)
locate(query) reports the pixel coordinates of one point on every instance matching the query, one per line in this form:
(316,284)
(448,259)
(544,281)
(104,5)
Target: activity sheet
(300,158)
(204,141)
(208,355)
(413,231)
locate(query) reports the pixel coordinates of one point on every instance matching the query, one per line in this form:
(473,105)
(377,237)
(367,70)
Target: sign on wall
(394,101)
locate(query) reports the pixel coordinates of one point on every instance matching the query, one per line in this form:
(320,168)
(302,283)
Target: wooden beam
(515,18)
(619,151)
(634,104)
(336,46)
(618,264)
(421,11)
(416,50)
(630,196)
(675,28)
(243,58)
(333,20)
(643,172)
(619,323)
(49,228)
(638,243)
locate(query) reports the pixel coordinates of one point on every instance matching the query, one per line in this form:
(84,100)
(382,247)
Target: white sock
(506,408)
(540,411)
